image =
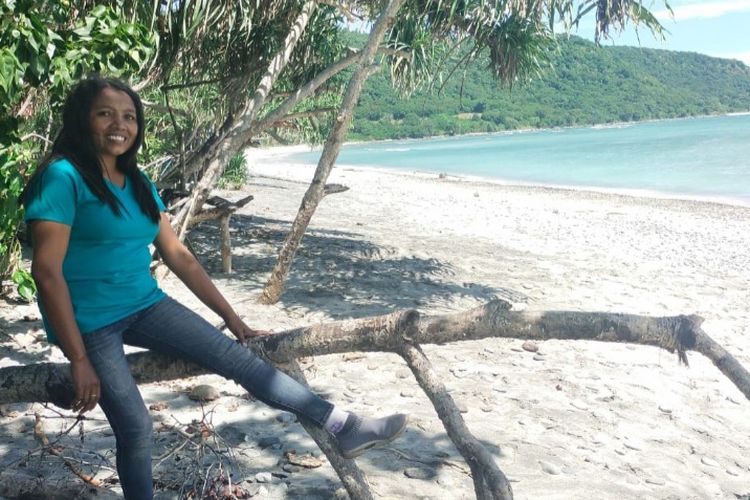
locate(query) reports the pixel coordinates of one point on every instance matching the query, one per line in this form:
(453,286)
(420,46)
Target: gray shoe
(360,434)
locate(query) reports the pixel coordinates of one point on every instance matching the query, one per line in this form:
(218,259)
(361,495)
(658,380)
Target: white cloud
(704,10)
(742,56)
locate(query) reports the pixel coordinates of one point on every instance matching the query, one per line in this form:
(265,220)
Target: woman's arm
(186,267)
(50,245)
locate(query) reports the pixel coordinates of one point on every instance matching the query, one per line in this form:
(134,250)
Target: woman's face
(113,124)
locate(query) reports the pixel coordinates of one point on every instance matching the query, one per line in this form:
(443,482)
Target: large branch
(307,90)
(314,194)
(351,476)
(488,477)
(214,162)
(301,94)
(50,382)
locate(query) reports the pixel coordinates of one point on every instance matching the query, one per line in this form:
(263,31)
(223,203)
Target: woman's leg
(122,404)
(171,328)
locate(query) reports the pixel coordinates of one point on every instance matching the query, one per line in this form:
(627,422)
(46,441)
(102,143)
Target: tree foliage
(586,84)
(198,65)
(43,51)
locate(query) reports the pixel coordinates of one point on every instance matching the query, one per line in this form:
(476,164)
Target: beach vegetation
(584,85)
(219,76)
(235,174)
(43,52)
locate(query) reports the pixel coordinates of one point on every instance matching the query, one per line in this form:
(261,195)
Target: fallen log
(402,333)
(46,382)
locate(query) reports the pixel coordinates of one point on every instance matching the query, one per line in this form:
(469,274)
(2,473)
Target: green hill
(586,85)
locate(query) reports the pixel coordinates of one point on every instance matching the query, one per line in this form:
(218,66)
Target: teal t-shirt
(107,262)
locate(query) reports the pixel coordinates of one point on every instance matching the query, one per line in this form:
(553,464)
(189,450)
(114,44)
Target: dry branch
(334,188)
(485,472)
(402,333)
(22,484)
(50,382)
(350,475)
(222,208)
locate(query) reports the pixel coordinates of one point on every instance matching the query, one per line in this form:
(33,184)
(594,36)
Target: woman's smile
(113,123)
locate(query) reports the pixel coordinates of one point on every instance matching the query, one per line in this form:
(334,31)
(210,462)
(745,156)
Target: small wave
(611,125)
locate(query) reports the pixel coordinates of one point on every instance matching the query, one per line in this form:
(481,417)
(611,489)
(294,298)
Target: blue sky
(719,28)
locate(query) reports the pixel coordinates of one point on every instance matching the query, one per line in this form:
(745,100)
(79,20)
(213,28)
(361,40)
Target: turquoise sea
(697,158)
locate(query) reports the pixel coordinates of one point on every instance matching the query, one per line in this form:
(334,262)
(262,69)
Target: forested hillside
(586,85)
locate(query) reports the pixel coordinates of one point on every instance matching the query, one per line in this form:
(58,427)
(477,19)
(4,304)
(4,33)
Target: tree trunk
(401,333)
(50,382)
(215,160)
(226,245)
(275,285)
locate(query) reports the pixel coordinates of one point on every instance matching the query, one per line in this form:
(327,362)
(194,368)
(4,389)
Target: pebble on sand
(550,468)
(709,461)
(263,477)
(419,473)
(530,346)
(204,392)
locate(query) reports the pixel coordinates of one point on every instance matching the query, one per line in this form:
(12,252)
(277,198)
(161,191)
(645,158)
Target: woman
(92,214)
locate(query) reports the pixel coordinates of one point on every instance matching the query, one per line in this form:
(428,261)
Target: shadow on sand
(340,273)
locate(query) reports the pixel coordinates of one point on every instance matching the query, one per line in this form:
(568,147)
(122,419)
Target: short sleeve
(54,196)
(157,198)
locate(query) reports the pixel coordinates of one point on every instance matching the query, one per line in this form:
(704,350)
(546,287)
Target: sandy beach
(573,420)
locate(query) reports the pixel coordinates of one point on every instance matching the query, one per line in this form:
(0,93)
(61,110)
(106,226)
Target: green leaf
(98,11)
(124,46)
(32,42)
(83,31)
(16,185)
(27,291)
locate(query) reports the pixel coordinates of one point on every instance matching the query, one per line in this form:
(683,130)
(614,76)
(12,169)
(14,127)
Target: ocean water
(697,158)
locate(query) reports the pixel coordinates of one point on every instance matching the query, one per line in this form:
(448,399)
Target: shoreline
(575,419)
(616,124)
(283,154)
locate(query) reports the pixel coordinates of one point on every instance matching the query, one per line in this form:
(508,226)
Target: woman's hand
(244,332)
(86,385)
(184,264)
(50,247)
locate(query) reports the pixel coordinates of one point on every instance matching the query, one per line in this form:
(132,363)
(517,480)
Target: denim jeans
(171,328)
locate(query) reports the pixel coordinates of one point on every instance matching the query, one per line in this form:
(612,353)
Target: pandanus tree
(218,75)
(426,41)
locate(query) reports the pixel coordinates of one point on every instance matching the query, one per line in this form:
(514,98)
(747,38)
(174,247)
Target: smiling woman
(114,128)
(92,215)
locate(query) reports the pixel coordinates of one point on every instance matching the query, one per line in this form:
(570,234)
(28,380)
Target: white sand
(582,419)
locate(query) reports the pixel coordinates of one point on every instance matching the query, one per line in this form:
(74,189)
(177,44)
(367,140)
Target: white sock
(336,420)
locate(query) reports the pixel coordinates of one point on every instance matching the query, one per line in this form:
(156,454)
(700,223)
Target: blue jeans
(171,328)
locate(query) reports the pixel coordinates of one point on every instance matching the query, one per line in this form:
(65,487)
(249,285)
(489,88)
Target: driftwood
(403,333)
(334,188)
(222,211)
(351,476)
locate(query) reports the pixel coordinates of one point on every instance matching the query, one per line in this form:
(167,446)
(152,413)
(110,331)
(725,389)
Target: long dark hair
(74,142)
